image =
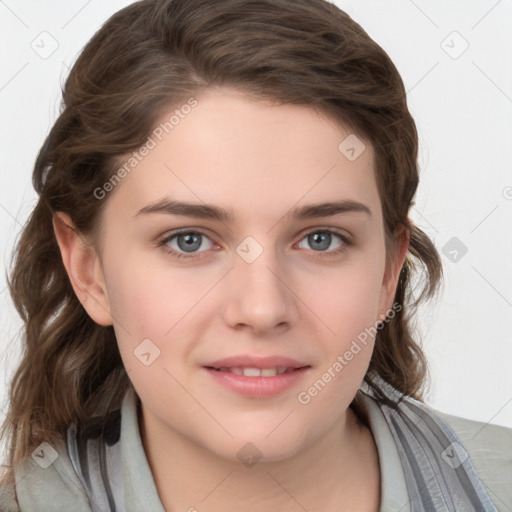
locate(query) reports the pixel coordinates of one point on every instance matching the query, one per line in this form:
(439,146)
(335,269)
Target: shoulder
(490,449)
(463,460)
(67,474)
(8,501)
(44,481)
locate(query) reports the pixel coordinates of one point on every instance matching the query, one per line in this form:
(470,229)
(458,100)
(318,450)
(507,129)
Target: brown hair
(157,53)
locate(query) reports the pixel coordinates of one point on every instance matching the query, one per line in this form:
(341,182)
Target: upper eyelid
(336,231)
(183,231)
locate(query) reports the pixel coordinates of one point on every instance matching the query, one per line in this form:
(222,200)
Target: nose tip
(259,296)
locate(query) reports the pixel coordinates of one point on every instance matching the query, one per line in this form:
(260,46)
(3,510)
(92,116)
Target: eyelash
(318,254)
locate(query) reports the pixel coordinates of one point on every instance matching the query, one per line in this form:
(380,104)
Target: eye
(185,244)
(321,239)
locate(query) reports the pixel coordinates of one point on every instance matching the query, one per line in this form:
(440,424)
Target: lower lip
(258,387)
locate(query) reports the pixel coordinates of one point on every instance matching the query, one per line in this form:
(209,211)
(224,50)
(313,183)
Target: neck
(338,473)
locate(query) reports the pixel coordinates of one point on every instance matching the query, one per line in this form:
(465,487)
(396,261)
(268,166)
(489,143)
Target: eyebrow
(211,212)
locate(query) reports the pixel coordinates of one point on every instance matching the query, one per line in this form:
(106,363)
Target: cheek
(149,298)
(162,304)
(348,309)
(150,313)
(346,300)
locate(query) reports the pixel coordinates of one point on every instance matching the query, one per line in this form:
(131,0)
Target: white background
(463,110)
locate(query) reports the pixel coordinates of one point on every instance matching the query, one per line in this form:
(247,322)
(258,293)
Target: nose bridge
(259,296)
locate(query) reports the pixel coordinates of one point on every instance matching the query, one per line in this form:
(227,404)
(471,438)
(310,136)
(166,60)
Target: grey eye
(187,242)
(320,240)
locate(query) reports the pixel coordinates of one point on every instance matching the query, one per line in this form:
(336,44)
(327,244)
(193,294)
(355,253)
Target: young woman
(216,280)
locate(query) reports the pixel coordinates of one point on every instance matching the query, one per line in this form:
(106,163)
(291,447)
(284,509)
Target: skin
(260,160)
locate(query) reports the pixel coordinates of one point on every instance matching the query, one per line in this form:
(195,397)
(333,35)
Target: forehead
(250,156)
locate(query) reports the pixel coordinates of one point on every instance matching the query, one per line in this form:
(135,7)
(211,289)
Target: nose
(260,296)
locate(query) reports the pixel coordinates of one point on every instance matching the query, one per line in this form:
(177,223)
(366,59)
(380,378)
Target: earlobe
(83,268)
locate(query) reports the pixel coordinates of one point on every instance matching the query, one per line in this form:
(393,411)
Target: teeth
(252,372)
(257,372)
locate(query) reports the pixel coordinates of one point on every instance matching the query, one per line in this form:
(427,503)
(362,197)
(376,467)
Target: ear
(84,269)
(392,272)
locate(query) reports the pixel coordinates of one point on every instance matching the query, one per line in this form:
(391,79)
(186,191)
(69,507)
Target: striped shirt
(425,465)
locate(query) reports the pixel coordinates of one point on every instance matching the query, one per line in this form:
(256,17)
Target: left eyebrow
(197,210)
(329,209)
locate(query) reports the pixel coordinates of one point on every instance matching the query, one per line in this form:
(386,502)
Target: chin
(258,446)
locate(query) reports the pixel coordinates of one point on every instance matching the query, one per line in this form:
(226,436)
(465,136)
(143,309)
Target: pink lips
(277,374)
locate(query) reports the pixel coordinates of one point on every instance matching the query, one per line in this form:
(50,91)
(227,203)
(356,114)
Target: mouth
(257,377)
(256,372)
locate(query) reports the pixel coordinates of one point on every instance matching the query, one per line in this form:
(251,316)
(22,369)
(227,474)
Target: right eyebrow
(200,211)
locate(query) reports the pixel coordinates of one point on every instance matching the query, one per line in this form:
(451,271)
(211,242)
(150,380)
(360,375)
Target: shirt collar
(139,486)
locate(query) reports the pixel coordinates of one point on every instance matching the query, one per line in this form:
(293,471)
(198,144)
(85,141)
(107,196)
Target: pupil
(191,242)
(324,239)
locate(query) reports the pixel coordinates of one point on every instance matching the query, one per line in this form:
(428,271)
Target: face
(249,277)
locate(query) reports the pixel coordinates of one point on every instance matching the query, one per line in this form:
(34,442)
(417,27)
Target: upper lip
(248,361)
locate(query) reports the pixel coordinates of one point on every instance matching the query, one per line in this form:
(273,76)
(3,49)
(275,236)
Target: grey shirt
(428,461)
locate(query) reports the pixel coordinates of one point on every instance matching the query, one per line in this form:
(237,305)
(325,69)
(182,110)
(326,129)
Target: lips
(253,366)
(257,377)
